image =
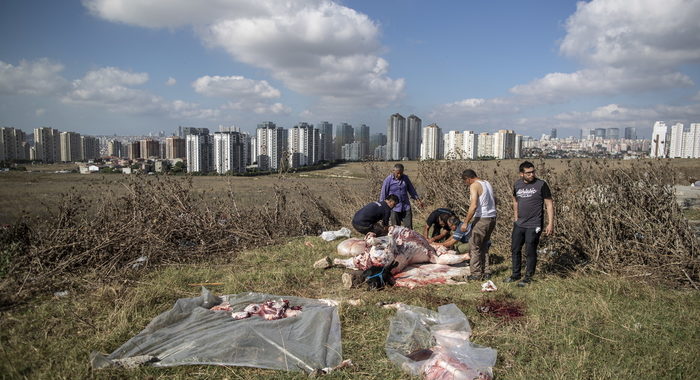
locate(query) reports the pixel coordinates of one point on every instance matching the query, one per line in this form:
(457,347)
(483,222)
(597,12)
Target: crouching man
(374,217)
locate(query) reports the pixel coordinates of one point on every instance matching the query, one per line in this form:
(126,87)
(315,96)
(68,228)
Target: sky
(133,67)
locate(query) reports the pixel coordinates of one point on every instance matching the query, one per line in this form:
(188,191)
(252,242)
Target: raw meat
(352,247)
(269,310)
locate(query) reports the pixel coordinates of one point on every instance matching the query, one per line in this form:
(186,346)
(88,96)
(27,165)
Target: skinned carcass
(402,247)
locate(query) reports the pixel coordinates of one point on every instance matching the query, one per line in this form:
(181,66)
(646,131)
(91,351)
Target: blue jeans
(530,237)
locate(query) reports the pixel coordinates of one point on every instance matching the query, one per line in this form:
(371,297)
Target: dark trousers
(403,218)
(377,228)
(530,237)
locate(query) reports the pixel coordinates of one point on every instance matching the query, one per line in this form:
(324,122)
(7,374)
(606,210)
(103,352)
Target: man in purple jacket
(400,185)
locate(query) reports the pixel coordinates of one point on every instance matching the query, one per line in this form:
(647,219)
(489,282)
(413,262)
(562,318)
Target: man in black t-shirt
(438,221)
(530,194)
(368,218)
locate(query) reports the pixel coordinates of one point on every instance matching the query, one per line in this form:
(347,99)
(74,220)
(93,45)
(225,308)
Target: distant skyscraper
(375,140)
(150,148)
(612,133)
(301,139)
(134,150)
(553,134)
(11,147)
(630,133)
(518,146)
(271,145)
(344,134)
(684,142)
(47,143)
(599,133)
(432,147)
(229,152)
(504,144)
(396,138)
(199,151)
(175,148)
(485,147)
(115,148)
(658,140)
(70,147)
(89,147)
(413,135)
(586,132)
(194,131)
(362,137)
(326,150)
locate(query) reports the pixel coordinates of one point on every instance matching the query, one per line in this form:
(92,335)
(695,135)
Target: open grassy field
(576,326)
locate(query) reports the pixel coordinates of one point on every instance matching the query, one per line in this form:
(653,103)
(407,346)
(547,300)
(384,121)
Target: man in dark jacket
(438,221)
(374,217)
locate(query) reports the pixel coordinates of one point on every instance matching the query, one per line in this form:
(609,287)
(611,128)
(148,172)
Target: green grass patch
(579,327)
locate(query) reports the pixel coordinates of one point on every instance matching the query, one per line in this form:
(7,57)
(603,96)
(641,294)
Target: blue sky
(133,67)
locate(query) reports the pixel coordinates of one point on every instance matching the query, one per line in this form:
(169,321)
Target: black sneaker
(525,282)
(511,279)
(473,277)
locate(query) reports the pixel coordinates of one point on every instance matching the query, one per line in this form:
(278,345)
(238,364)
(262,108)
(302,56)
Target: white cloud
(475,106)
(234,87)
(259,108)
(110,88)
(171,81)
(40,77)
(315,47)
(40,111)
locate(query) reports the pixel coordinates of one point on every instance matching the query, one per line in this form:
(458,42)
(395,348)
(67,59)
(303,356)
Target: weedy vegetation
(615,297)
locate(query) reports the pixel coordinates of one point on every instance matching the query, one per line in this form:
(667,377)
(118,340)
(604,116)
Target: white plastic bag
(332,235)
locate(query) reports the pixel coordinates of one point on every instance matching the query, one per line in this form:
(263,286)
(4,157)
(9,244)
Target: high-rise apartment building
(199,152)
(396,138)
(599,133)
(326,149)
(612,133)
(302,146)
(344,134)
(432,147)
(175,148)
(684,142)
(375,140)
(115,148)
(133,150)
(194,131)
(362,137)
(70,147)
(413,136)
(271,145)
(553,134)
(504,144)
(485,147)
(150,148)
(658,140)
(229,152)
(89,148)
(11,147)
(630,133)
(47,143)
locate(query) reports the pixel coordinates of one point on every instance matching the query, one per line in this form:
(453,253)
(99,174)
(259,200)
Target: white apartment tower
(658,140)
(229,152)
(685,143)
(504,144)
(396,138)
(433,145)
(70,147)
(303,145)
(485,147)
(11,147)
(47,143)
(198,149)
(271,145)
(413,137)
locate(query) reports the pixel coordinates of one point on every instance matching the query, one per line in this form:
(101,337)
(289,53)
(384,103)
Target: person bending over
(437,220)
(374,217)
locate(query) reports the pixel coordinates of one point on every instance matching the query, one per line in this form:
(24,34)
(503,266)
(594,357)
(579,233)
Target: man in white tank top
(482,208)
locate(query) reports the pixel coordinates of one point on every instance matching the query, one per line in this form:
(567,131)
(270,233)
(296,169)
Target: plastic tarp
(446,334)
(190,333)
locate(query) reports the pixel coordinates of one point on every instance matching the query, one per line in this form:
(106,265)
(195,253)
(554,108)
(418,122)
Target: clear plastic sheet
(446,334)
(190,333)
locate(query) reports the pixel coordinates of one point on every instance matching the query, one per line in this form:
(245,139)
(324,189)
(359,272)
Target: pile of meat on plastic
(268,310)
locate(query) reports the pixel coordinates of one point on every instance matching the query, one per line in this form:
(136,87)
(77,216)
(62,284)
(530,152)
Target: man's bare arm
(549,205)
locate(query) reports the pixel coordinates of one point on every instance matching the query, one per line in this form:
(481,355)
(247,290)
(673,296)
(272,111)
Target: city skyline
(103,67)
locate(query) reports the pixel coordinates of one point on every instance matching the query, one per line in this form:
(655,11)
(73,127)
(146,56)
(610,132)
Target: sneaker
(473,277)
(526,281)
(347,280)
(511,279)
(324,263)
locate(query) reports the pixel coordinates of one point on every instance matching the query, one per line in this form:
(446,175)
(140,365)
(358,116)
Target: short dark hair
(443,218)
(526,165)
(469,173)
(393,198)
(398,166)
(453,220)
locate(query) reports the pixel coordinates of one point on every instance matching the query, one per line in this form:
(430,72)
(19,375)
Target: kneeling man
(374,217)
